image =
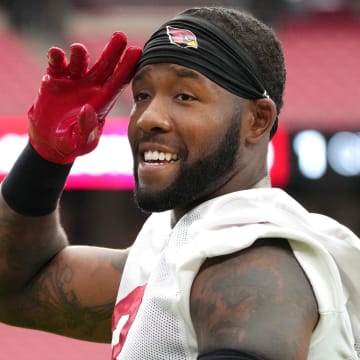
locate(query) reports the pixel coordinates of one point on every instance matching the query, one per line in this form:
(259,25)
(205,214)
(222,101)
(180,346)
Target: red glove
(68,115)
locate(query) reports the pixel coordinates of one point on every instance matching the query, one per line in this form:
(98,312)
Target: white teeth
(159,156)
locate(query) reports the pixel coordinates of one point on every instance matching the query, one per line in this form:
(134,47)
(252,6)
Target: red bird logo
(182,37)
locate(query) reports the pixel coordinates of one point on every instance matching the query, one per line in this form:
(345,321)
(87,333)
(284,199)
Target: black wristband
(34,185)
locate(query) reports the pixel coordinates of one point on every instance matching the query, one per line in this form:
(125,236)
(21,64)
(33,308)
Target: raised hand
(68,114)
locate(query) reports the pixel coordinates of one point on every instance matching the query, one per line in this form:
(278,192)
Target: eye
(141,96)
(185,97)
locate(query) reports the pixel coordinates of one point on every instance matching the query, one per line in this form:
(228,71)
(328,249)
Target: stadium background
(319,140)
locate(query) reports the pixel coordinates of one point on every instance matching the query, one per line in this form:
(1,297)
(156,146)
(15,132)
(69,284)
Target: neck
(262,183)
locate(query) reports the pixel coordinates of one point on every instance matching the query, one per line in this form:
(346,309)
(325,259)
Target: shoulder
(254,299)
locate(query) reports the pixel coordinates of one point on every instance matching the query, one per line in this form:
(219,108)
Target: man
(226,267)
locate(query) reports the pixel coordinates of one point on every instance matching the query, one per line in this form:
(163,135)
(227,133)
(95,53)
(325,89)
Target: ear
(263,117)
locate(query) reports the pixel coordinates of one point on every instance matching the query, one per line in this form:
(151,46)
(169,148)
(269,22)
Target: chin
(151,204)
(159,200)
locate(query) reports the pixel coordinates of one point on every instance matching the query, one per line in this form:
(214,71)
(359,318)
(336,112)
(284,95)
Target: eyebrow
(140,75)
(185,73)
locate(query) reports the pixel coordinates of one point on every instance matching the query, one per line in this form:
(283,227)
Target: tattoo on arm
(47,285)
(74,296)
(254,300)
(54,295)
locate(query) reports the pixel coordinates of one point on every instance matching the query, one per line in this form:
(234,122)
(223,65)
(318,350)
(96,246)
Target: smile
(157,157)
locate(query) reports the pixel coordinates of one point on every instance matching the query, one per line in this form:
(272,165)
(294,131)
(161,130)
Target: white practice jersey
(152,317)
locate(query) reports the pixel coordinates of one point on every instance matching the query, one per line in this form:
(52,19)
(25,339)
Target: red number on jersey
(124,315)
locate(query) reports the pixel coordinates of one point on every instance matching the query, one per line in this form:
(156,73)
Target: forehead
(167,69)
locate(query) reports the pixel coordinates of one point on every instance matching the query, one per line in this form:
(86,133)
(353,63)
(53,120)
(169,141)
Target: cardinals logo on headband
(182,37)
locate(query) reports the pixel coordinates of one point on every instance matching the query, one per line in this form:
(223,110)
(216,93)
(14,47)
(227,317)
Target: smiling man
(226,267)
(198,136)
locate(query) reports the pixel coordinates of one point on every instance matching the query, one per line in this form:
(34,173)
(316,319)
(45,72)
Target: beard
(195,181)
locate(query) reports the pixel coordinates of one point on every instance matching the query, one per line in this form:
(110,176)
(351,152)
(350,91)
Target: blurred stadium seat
(19,74)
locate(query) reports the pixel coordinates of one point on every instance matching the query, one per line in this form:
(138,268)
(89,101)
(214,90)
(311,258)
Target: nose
(154,118)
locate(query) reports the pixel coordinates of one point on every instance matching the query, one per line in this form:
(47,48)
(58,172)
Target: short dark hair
(258,40)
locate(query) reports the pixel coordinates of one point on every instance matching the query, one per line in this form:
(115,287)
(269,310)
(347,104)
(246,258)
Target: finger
(121,77)
(56,85)
(88,130)
(108,59)
(79,60)
(87,120)
(57,62)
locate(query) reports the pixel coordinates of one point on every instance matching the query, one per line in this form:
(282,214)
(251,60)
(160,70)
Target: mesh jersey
(152,317)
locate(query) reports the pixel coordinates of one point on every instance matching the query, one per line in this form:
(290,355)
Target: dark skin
(48,285)
(257,300)
(178,110)
(249,300)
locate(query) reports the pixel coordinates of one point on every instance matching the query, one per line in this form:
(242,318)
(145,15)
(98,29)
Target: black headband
(198,44)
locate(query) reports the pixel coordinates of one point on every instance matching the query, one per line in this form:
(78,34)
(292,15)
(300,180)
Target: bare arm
(46,284)
(257,300)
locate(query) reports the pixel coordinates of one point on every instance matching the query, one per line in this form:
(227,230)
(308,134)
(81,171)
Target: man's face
(185,135)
